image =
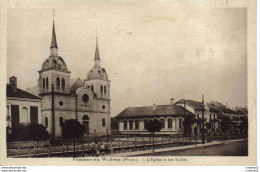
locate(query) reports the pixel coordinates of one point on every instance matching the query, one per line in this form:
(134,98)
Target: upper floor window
(105,90)
(85,98)
(103,122)
(169,123)
(43,83)
(47,83)
(101,90)
(58,83)
(63,84)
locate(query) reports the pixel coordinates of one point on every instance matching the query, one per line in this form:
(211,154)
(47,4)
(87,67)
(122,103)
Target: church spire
(53,40)
(97,51)
(97,58)
(54,46)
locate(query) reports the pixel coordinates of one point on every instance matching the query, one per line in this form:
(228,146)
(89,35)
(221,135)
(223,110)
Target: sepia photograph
(126,79)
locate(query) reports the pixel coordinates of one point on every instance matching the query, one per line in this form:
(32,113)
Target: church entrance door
(85,122)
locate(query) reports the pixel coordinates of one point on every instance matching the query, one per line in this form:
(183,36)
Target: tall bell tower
(54,84)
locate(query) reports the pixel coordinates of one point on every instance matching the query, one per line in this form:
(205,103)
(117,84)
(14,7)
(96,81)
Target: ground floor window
(130,124)
(180,123)
(169,123)
(136,124)
(103,122)
(162,123)
(125,125)
(46,121)
(145,123)
(60,121)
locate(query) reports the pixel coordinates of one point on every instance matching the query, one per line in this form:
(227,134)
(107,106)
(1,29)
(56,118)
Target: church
(64,98)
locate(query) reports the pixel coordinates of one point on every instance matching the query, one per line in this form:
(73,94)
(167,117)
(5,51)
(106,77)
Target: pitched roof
(195,104)
(19,93)
(225,109)
(214,109)
(160,110)
(75,83)
(33,90)
(241,111)
(221,108)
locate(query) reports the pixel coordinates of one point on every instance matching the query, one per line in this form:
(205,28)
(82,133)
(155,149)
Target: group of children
(99,148)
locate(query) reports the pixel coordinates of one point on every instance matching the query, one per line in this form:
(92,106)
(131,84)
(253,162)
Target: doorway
(85,122)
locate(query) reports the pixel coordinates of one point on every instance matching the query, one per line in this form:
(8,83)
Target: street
(230,149)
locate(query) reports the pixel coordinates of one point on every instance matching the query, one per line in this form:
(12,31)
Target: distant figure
(110,147)
(107,148)
(98,148)
(102,148)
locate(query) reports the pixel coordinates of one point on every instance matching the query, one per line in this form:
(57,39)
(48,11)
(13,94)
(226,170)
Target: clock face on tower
(58,62)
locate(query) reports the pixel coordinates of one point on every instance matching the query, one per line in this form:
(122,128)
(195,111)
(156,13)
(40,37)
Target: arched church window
(92,88)
(101,90)
(63,84)
(61,121)
(58,83)
(169,123)
(85,98)
(85,118)
(125,125)
(46,121)
(105,90)
(47,83)
(103,122)
(43,83)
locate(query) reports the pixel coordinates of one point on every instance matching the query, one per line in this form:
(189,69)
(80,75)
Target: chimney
(154,107)
(13,83)
(227,104)
(172,101)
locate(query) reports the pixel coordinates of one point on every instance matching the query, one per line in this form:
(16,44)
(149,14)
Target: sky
(151,52)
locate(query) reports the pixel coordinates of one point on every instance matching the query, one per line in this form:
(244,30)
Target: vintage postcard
(128,82)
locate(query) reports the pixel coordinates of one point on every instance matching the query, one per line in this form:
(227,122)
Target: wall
(24,103)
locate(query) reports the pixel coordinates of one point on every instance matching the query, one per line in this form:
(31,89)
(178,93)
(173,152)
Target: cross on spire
(53,15)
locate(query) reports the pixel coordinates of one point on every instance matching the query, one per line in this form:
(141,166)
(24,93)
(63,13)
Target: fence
(116,145)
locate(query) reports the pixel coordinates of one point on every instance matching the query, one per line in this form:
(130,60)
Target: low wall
(27,144)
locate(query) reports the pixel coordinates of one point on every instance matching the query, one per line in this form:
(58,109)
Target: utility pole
(52,112)
(203,128)
(184,115)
